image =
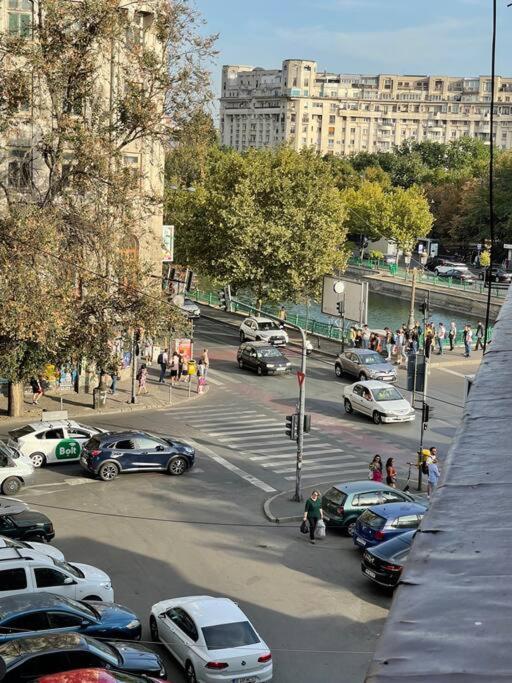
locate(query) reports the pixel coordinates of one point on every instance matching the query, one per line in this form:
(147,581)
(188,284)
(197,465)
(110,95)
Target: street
(205,532)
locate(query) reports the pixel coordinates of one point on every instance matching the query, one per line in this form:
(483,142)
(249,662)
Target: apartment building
(348,113)
(22,166)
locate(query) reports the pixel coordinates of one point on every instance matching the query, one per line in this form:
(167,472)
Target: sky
(438,37)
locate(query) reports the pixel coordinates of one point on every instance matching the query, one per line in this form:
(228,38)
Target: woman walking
(142,376)
(175,366)
(37,390)
(375,468)
(390,473)
(313,512)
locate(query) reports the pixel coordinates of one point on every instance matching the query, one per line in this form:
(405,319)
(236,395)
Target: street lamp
(339,288)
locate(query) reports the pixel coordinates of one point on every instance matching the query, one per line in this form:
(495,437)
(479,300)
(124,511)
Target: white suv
(262,329)
(28,571)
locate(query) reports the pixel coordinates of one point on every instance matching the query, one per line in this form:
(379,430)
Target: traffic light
(222,299)
(307,423)
(291,426)
(428,411)
(339,307)
(425,309)
(188,280)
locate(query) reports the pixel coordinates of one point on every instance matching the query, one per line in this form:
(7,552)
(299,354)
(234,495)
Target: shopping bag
(304,527)
(320,529)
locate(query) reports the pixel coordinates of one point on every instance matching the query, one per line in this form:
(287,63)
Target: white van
(14,470)
(27,571)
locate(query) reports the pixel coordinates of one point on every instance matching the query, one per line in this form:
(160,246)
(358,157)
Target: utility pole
(410,323)
(133,398)
(424,407)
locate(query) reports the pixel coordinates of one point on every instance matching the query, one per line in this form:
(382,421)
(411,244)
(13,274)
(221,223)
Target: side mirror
(160,448)
(162,615)
(68,581)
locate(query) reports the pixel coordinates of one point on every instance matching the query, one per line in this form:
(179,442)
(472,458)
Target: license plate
(247,679)
(360,541)
(370,573)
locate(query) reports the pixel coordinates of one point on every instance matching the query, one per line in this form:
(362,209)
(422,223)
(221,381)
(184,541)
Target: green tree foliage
(268,220)
(408,217)
(186,160)
(367,209)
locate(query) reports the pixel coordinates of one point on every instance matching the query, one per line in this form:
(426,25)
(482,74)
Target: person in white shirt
(441,335)
(452,334)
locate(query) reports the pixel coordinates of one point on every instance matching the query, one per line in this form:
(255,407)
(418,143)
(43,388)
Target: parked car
(438,262)
(45,613)
(464,276)
(496,274)
(364,364)
(343,503)
(190,308)
(14,470)
(378,400)
(441,270)
(18,521)
(263,358)
(107,455)
(212,639)
(25,571)
(33,656)
(42,548)
(384,563)
(94,676)
(263,329)
(383,522)
(51,442)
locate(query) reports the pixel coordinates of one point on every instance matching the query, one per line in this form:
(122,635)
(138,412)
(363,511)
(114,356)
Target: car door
(252,328)
(126,454)
(77,436)
(8,528)
(357,398)
(48,441)
(251,357)
(351,366)
(14,581)
(185,633)
(401,524)
(62,622)
(53,580)
(168,628)
(153,454)
(25,625)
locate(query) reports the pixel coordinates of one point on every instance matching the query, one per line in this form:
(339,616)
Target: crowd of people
(427,462)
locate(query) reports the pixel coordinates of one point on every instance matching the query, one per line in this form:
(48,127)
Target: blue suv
(382,522)
(110,454)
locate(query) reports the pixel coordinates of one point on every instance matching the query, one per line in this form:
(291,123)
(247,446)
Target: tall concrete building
(348,113)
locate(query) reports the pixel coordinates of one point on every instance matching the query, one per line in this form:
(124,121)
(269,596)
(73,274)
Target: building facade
(347,113)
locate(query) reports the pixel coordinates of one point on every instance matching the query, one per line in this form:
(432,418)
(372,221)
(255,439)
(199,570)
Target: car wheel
(436,272)
(259,370)
(351,528)
(241,364)
(242,336)
(377,417)
(38,537)
(38,459)
(362,377)
(258,339)
(11,486)
(153,628)
(177,466)
(348,406)
(108,471)
(190,673)
(338,370)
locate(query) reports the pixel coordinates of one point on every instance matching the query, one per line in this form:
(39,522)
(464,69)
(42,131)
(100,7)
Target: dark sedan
(44,613)
(496,274)
(27,658)
(113,453)
(364,364)
(460,275)
(384,563)
(263,358)
(19,522)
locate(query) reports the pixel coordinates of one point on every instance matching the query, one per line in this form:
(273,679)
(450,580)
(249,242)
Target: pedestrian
(389,341)
(452,334)
(390,473)
(37,390)
(375,468)
(433,476)
(365,337)
(313,512)
(205,357)
(142,376)
(162,361)
(441,334)
(358,342)
(417,328)
(374,341)
(181,361)
(175,366)
(400,347)
(429,340)
(114,374)
(352,337)
(282,315)
(468,339)
(479,336)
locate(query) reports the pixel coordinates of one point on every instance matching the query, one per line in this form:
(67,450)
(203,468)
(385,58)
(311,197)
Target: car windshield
(372,358)
(69,568)
(335,496)
(22,431)
(268,325)
(106,651)
(269,352)
(396,546)
(6,451)
(387,394)
(371,520)
(226,636)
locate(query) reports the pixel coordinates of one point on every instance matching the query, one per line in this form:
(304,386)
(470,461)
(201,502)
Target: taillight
(217,665)
(341,510)
(265,658)
(392,567)
(379,535)
(95,453)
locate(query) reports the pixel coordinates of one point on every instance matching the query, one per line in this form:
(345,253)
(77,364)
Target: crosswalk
(260,439)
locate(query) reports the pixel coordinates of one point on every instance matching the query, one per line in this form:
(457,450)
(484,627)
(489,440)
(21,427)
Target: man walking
(479,336)
(441,334)
(365,337)
(468,339)
(452,334)
(162,361)
(206,362)
(389,342)
(433,475)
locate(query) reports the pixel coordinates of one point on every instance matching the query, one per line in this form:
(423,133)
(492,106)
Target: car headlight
(135,623)
(288,364)
(270,365)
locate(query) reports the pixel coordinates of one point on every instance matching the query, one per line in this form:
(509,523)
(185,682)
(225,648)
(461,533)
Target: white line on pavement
(451,372)
(232,468)
(264,425)
(204,411)
(292,453)
(263,438)
(268,448)
(275,459)
(331,458)
(215,382)
(222,375)
(311,466)
(341,471)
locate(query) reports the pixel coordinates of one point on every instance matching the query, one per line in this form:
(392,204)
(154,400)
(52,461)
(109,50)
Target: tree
(73,270)
(269,220)
(185,163)
(408,217)
(367,207)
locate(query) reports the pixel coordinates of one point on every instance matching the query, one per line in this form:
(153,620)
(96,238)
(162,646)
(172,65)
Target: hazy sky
(404,36)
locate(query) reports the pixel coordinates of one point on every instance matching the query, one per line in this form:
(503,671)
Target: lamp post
(339,288)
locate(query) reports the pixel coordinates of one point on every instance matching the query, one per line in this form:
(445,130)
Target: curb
(283,520)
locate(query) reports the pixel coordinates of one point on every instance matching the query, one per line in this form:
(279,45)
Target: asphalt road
(204,532)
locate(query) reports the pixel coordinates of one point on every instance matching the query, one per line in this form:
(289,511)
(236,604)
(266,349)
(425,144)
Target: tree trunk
(15,408)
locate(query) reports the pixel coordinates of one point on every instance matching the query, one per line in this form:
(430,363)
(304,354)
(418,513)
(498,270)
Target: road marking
(265,425)
(72,481)
(342,472)
(268,448)
(203,411)
(312,466)
(262,438)
(320,450)
(215,382)
(274,460)
(223,375)
(451,372)
(331,458)
(232,468)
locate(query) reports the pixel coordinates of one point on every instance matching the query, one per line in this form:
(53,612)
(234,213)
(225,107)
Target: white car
(263,329)
(190,308)
(378,400)
(42,548)
(440,270)
(51,442)
(212,639)
(14,470)
(26,571)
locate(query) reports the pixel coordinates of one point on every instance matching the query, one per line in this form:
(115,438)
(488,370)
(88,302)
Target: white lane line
(222,375)
(331,458)
(450,372)
(232,468)
(204,411)
(320,450)
(215,382)
(263,430)
(264,425)
(263,438)
(269,447)
(341,472)
(307,467)
(275,460)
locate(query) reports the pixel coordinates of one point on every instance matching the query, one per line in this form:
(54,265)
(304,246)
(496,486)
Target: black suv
(262,357)
(110,454)
(17,521)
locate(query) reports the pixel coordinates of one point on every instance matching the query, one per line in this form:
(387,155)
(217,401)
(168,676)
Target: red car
(94,676)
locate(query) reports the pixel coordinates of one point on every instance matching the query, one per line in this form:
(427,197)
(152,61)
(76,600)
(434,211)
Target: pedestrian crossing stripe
(341,472)
(320,450)
(308,459)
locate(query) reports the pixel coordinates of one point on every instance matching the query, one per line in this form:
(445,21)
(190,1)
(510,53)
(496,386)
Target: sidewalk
(281,509)
(158,396)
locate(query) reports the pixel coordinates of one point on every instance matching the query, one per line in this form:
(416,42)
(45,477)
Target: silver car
(364,364)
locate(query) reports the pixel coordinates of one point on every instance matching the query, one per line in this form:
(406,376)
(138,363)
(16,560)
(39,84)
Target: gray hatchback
(364,364)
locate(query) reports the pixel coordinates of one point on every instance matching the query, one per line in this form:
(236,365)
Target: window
(372,520)
(43,664)
(145,444)
(366,499)
(19,170)
(392,497)
(130,160)
(126,445)
(63,620)
(20,20)
(46,577)
(335,496)
(182,620)
(13,579)
(28,622)
(52,434)
(78,434)
(226,636)
(6,523)
(406,522)
(358,390)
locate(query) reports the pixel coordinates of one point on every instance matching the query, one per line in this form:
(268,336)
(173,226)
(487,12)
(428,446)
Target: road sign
(354,296)
(301,377)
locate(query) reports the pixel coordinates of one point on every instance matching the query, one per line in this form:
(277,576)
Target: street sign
(301,377)
(354,296)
